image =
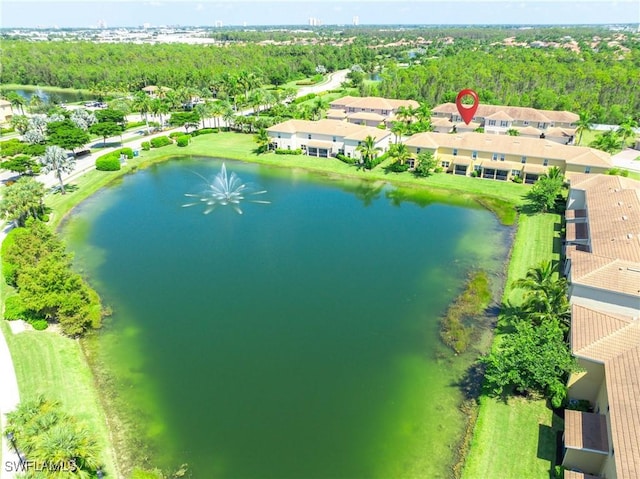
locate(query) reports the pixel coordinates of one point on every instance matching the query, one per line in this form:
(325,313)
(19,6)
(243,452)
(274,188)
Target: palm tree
(398,129)
(318,107)
(159,107)
(263,140)
(368,151)
(228,115)
(16,100)
(399,152)
(204,110)
(545,295)
(56,160)
(553,173)
(626,130)
(609,141)
(583,124)
(423,113)
(406,114)
(142,104)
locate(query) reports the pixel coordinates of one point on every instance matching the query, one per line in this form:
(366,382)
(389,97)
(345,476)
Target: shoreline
(103,179)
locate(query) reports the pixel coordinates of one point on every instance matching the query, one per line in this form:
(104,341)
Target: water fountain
(224,190)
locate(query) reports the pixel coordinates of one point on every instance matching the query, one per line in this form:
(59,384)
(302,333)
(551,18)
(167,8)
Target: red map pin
(467,112)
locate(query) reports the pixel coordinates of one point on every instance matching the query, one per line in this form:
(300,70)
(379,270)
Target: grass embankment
(517,438)
(54,366)
(499,197)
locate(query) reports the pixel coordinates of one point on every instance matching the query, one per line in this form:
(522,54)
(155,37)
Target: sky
(121,13)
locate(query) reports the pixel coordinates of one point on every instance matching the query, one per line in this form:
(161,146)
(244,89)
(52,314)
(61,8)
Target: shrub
(282,151)
(183,140)
(109,162)
(146,146)
(346,159)
(175,134)
(13,308)
(39,324)
(474,174)
(516,179)
(438,169)
(136,124)
(397,167)
(618,172)
(127,151)
(160,141)
(204,131)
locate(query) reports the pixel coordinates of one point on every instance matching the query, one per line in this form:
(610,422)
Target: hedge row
(160,141)
(281,151)
(111,161)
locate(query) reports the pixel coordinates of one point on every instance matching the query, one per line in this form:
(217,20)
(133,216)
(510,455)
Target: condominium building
(501,157)
(603,268)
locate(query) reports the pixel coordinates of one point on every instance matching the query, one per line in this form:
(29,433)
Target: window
(279,135)
(504,123)
(474,155)
(309,136)
(525,123)
(587,169)
(445,164)
(334,139)
(302,147)
(492,123)
(477,167)
(515,172)
(502,157)
(542,125)
(545,162)
(523,159)
(418,150)
(495,157)
(455,152)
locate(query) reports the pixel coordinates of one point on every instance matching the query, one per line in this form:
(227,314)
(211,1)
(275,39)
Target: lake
(51,96)
(299,339)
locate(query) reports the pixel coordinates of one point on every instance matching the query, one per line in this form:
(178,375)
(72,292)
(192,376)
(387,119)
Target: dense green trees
(368,152)
(534,356)
(34,261)
(603,84)
(545,192)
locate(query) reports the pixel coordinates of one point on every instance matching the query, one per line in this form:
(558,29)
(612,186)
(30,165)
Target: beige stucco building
(368,111)
(325,138)
(6,111)
(501,157)
(603,269)
(557,126)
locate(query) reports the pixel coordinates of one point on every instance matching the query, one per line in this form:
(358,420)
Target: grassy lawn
(517,438)
(52,365)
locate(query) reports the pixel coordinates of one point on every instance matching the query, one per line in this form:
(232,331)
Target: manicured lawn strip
(517,438)
(52,365)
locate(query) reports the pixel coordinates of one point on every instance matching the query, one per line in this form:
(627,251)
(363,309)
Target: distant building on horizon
(355,21)
(314,22)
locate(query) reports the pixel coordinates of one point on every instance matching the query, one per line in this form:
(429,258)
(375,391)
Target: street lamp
(12,441)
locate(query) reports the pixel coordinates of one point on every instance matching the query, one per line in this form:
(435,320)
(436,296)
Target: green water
(298,340)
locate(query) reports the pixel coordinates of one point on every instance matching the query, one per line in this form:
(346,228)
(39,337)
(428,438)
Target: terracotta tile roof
(320,144)
(578,475)
(590,330)
(365,115)
(365,131)
(516,112)
(321,127)
(533,168)
(499,115)
(561,132)
(336,113)
(585,430)
(4,102)
(438,121)
(603,272)
(613,209)
(574,214)
(623,388)
(372,102)
(528,130)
